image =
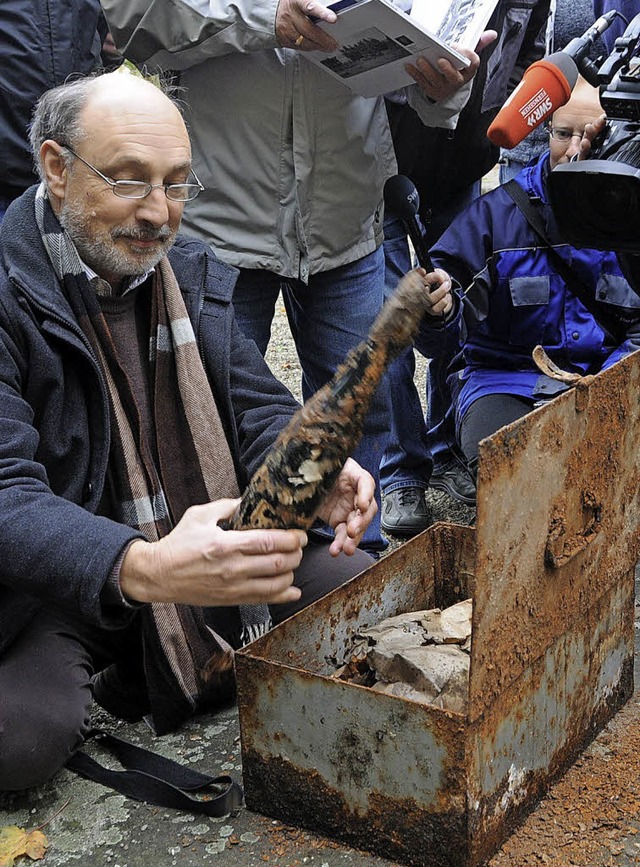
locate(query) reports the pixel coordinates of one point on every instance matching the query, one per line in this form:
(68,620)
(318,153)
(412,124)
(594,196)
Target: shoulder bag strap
(154,779)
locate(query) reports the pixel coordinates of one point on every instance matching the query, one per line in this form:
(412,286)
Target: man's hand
(198,563)
(438,286)
(295,29)
(591,131)
(349,507)
(443,80)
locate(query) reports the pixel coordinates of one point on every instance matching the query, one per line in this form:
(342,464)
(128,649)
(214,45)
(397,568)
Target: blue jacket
(517,299)
(54,423)
(42,42)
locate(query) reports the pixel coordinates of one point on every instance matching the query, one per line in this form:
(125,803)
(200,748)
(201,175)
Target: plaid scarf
(194,465)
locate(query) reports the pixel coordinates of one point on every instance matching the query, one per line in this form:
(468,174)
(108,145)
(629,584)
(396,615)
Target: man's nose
(154,208)
(574,144)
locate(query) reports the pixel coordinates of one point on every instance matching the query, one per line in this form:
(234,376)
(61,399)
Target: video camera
(597,201)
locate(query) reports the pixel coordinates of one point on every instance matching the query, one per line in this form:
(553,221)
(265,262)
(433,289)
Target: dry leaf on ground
(15,842)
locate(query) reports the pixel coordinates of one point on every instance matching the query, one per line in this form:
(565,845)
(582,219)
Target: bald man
(132,413)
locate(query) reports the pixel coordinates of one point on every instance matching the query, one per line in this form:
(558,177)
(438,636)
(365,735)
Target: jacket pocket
(529,290)
(612,289)
(530,300)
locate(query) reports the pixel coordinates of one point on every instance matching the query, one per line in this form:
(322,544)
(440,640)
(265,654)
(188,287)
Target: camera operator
(596,198)
(528,286)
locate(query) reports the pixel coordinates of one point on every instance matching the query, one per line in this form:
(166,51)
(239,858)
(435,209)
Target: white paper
(460,22)
(377,40)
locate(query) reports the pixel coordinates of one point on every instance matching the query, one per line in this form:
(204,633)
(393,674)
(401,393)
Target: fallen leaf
(15,842)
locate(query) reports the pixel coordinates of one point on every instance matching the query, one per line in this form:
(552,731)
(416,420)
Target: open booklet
(377,39)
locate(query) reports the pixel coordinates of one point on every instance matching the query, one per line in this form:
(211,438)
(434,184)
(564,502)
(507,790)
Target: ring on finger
(299,40)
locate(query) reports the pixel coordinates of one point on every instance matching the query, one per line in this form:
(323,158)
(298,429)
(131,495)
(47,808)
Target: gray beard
(100,252)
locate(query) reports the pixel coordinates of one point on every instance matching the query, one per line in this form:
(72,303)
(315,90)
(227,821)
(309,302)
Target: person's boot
(456,480)
(404,512)
(124,699)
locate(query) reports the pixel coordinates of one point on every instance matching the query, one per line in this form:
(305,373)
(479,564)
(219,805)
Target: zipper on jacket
(60,320)
(78,332)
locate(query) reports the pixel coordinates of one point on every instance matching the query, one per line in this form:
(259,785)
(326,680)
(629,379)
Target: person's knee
(34,747)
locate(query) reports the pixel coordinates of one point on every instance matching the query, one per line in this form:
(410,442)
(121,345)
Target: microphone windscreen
(401,197)
(545,86)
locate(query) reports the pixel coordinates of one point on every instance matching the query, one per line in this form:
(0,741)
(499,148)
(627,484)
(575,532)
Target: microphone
(401,197)
(546,85)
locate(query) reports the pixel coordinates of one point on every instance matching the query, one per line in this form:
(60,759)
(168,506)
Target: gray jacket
(293,162)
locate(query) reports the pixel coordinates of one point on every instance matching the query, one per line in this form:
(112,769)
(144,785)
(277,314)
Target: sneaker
(456,480)
(404,512)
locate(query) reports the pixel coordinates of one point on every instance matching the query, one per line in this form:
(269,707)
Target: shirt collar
(129,285)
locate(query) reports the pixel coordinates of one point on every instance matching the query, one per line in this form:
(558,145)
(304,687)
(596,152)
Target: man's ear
(54,168)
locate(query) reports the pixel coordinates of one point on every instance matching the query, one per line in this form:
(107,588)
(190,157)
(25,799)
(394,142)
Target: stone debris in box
(421,656)
(450,626)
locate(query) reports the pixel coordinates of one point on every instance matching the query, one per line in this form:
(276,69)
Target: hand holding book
(381,48)
(442,79)
(296,25)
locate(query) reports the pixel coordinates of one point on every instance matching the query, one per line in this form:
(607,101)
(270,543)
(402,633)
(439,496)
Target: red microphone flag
(545,86)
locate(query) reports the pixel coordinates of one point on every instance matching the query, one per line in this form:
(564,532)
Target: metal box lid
(557,523)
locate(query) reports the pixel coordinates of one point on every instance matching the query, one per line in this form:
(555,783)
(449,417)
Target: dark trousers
(488,414)
(45,696)
(45,691)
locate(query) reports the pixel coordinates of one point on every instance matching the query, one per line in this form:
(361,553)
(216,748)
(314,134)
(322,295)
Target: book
(377,39)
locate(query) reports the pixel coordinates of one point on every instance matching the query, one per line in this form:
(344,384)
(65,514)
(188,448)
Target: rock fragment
(419,656)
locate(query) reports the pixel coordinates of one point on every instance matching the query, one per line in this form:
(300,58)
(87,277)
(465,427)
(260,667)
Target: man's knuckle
(267,543)
(278,564)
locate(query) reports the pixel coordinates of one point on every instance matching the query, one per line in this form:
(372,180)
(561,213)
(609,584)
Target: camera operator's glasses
(559,133)
(140,189)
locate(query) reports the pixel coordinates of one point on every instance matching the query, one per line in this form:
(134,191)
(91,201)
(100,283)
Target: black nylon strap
(156,780)
(614,325)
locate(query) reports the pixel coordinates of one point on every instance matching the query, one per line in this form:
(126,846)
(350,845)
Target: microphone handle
(419,244)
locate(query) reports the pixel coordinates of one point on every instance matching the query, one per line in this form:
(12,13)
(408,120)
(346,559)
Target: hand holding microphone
(402,199)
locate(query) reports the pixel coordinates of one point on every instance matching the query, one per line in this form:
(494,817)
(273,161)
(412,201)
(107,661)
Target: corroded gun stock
(288,489)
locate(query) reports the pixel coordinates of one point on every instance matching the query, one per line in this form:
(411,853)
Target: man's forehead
(134,123)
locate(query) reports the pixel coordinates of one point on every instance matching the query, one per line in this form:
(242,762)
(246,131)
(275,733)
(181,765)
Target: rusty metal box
(549,566)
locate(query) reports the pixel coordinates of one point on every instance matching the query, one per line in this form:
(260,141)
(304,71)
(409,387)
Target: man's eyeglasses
(140,190)
(563,134)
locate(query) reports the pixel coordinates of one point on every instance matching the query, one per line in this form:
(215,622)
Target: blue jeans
(327,319)
(407,460)
(419,445)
